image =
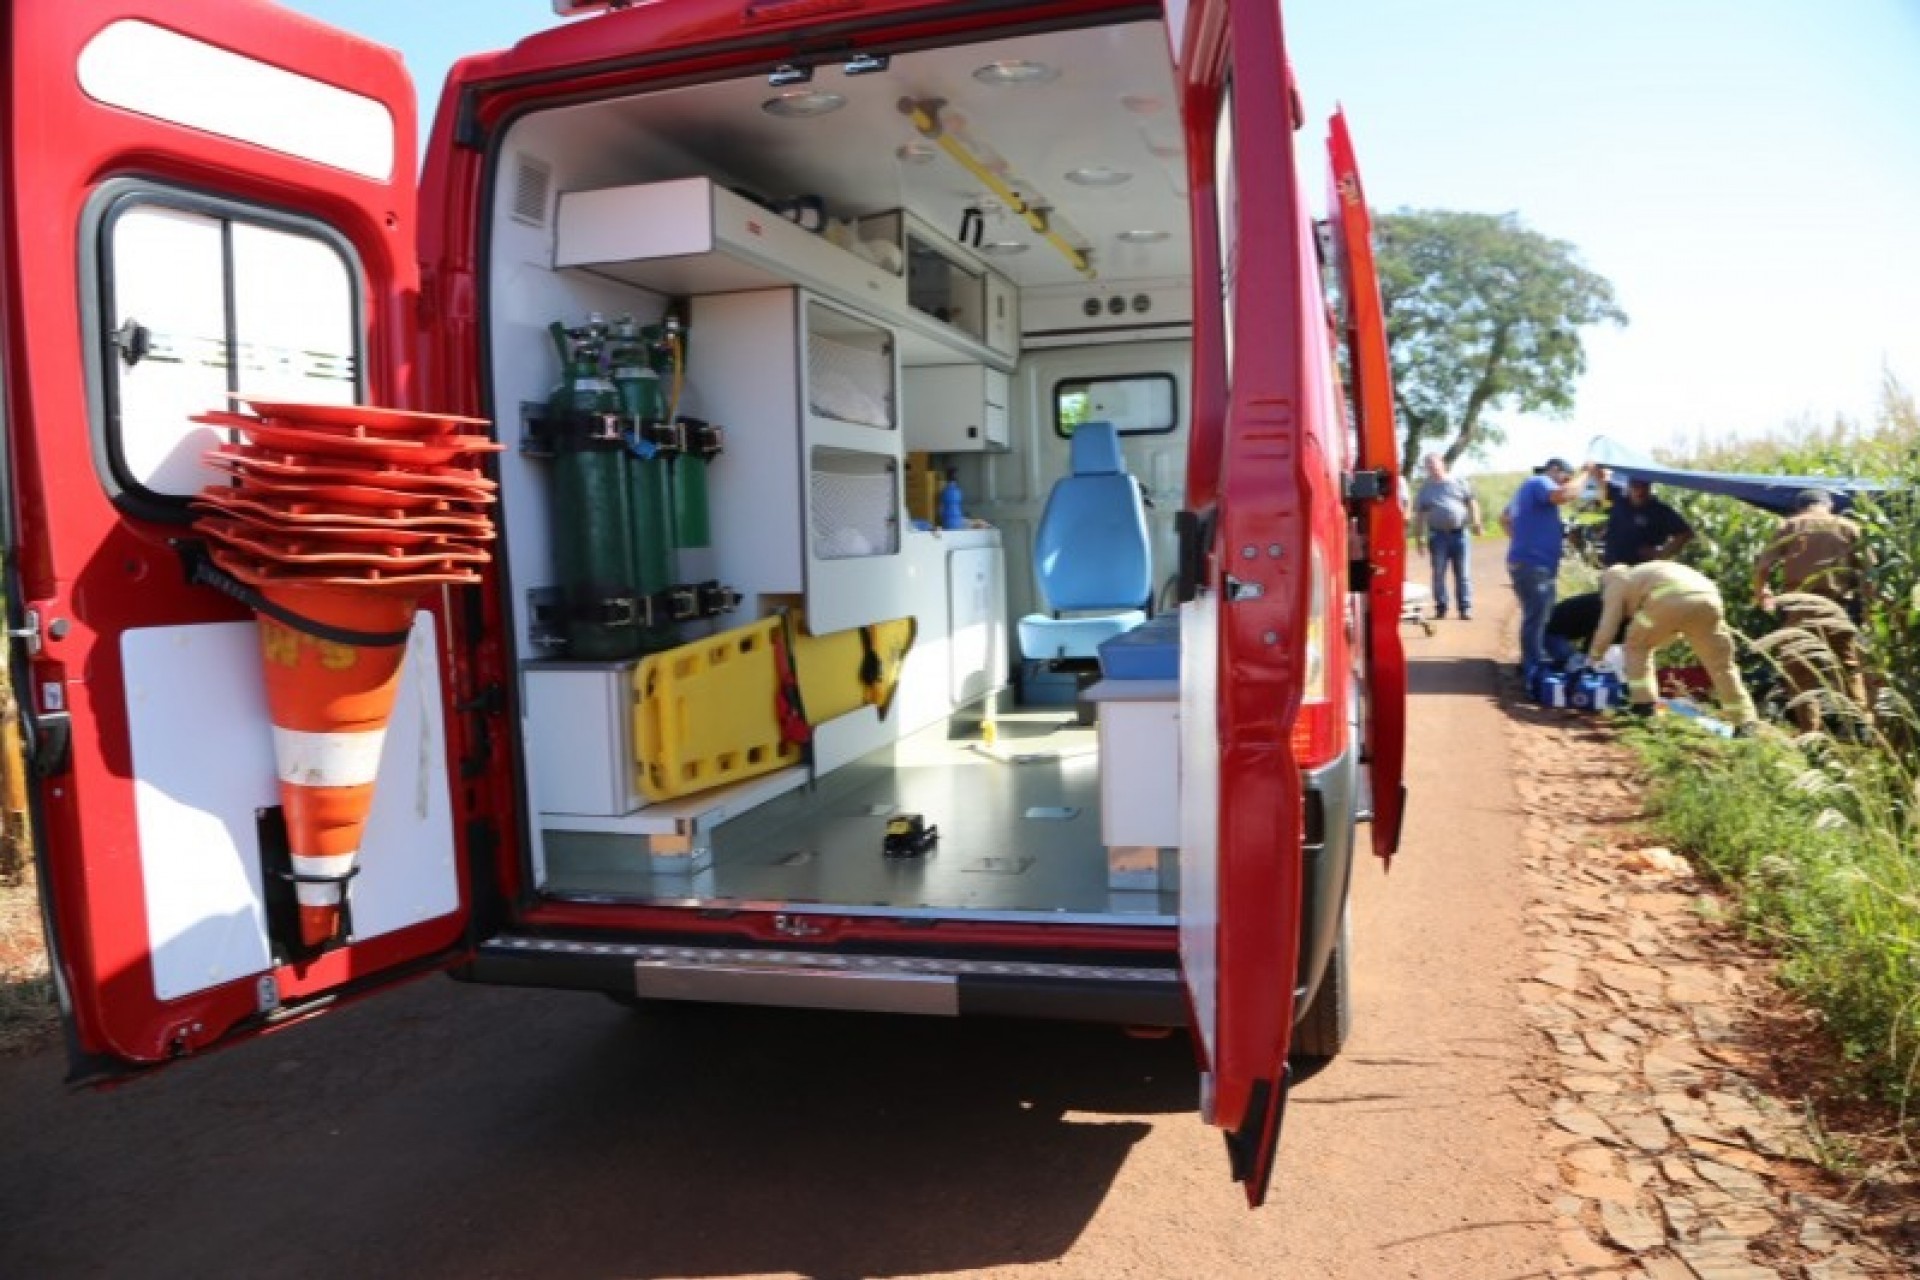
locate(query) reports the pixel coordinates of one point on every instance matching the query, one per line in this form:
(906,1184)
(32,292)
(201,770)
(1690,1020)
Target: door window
(201,298)
(1137,405)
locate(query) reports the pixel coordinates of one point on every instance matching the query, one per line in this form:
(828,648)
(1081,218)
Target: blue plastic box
(1151,651)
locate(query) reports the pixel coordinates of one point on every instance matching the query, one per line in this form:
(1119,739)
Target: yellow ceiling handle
(925,115)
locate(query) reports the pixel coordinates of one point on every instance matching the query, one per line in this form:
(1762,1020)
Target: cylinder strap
(203,572)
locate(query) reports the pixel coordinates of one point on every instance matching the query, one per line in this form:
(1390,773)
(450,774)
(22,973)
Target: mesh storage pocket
(850,382)
(856,504)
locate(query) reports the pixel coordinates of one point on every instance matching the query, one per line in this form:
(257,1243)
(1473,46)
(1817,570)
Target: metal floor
(1019,827)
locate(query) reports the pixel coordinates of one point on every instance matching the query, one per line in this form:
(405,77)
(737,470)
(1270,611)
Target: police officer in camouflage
(1819,554)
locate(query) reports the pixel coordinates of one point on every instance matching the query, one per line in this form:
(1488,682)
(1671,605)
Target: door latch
(1368,486)
(134,341)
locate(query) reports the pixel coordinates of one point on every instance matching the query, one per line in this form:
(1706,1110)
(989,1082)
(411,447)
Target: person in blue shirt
(1535,532)
(1640,528)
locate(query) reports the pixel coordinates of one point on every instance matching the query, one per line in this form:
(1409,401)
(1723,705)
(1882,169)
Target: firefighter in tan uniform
(1818,554)
(1667,601)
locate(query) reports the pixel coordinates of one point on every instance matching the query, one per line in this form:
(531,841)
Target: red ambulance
(894,246)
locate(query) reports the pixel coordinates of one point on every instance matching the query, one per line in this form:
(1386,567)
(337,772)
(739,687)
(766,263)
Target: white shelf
(691,237)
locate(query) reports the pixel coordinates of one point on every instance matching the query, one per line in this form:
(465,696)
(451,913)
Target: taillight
(1316,732)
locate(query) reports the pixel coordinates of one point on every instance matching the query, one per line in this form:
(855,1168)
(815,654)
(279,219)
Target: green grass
(1818,842)
(1819,833)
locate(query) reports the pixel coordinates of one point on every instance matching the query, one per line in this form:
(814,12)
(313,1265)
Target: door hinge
(30,632)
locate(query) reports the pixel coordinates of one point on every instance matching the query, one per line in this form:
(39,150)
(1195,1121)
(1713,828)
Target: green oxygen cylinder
(593,556)
(648,473)
(692,525)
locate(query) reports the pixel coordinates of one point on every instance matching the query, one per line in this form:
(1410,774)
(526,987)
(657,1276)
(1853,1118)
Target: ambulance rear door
(1251,489)
(199,199)
(1383,522)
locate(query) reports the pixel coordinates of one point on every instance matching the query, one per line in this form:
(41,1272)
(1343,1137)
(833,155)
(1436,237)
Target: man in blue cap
(1536,531)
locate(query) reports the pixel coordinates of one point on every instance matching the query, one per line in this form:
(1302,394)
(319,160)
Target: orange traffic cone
(342,515)
(329,703)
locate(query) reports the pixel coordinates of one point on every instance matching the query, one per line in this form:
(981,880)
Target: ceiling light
(1002,248)
(1142,235)
(1098,175)
(799,103)
(1016,71)
(915,153)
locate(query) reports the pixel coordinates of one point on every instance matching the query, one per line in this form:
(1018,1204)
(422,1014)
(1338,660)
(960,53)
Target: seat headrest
(1096,450)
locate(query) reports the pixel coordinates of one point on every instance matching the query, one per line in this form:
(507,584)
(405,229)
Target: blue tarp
(1769,492)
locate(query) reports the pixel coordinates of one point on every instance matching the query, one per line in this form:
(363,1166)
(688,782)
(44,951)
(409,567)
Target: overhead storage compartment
(690,236)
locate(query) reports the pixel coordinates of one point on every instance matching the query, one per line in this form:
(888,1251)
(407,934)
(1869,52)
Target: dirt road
(454,1131)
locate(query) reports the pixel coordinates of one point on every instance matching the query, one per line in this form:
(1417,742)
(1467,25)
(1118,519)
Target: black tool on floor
(909,836)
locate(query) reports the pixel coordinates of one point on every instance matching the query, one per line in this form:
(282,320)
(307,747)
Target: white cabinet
(807,497)
(955,408)
(580,736)
(976,623)
(1139,762)
(957,585)
(1003,315)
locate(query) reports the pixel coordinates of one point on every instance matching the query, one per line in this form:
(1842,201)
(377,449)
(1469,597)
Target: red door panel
(1384,521)
(1252,486)
(199,198)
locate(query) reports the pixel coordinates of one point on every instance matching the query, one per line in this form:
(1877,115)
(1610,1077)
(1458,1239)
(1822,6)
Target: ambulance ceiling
(1095,104)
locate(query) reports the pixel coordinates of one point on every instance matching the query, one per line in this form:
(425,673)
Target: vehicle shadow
(1461,675)
(483,1132)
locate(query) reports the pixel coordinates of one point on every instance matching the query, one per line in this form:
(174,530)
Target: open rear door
(1382,518)
(1255,474)
(200,199)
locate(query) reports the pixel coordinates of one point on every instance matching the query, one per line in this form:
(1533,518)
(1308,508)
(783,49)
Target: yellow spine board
(707,713)
(829,668)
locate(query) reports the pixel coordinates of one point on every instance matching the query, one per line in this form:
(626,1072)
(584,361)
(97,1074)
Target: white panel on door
(195,805)
(1199,720)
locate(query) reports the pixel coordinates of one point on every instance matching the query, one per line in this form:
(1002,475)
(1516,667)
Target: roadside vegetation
(1819,832)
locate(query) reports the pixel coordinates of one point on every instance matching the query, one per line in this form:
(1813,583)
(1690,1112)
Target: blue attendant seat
(1091,558)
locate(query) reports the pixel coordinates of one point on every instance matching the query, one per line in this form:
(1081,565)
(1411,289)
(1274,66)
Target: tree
(1482,313)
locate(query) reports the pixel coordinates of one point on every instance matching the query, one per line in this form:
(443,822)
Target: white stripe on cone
(327,759)
(321,895)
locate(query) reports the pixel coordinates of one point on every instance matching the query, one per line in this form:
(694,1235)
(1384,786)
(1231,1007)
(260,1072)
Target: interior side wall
(525,296)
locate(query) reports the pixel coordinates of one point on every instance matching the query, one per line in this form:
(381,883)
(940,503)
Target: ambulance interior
(865,314)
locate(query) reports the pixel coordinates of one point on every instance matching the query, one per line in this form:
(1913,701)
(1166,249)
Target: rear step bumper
(948,986)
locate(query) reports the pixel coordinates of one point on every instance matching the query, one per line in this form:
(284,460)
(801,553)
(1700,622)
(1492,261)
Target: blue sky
(1744,171)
